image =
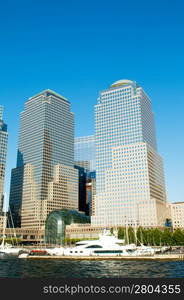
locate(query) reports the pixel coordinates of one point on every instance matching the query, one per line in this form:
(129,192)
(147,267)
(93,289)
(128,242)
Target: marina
(107,247)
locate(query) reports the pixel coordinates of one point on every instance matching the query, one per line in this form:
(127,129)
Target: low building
(26,235)
(177,214)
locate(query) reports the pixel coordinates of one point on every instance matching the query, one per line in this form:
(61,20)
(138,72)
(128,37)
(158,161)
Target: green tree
(111,230)
(178,237)
(121,233)
(13,240)
(157,236)
(167,237)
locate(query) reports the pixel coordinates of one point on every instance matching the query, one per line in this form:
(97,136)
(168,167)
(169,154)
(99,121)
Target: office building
(44,178)
(130,187)
(84,152)
(177,214)
(3,155)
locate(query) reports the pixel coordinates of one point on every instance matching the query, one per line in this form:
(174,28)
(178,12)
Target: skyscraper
(44,178)
(130,188)
(84,152)
(3,154)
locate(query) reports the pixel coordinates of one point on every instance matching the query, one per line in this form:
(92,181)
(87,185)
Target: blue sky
(78,48)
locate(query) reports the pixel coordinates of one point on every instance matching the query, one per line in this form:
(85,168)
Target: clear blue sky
(78,48)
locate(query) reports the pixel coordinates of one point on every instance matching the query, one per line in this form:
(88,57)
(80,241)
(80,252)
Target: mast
(135,232)
(14,232)
(4,222)
(127,236)
(141,237)
(4,228)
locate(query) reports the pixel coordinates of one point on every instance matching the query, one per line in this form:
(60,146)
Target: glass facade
(90,191)
(130,186)
(3,155)
(46,140)
(87,181)
(82,190)
(84,152)
(56,223)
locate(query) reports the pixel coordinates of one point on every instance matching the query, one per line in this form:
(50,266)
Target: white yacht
(107,245)
(55,251)
(144,250)
(9,249)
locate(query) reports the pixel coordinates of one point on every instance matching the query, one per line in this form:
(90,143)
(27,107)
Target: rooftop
(122,82)
(48,93)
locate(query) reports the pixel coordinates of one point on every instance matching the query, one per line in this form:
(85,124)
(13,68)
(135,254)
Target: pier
(167,257)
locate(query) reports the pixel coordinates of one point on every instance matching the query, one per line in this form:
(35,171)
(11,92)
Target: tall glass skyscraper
(3,154)
(130,188)
(84,152)
(44,178)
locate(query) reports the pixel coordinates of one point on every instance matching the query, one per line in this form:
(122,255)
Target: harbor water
(12,267)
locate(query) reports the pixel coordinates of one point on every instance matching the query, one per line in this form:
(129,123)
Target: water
(22,268)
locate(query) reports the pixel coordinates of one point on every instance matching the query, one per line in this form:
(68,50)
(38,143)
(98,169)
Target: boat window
(71,251)
(94,246)
(130,250)
(108,251)
(80,245)
(81,251)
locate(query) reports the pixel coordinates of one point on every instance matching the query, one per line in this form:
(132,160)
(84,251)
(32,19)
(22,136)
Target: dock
(167,257)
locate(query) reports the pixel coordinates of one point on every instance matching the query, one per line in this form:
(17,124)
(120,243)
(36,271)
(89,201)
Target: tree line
(152,236)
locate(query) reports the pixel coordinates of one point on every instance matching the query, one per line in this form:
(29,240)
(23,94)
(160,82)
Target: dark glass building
(87,189)
(82,189)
